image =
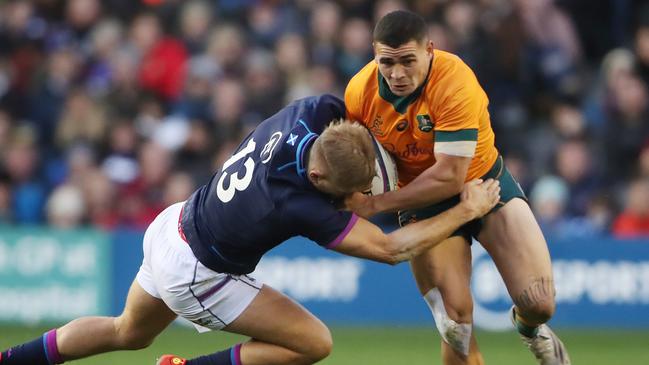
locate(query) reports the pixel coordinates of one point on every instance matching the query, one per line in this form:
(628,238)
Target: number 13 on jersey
(235,181)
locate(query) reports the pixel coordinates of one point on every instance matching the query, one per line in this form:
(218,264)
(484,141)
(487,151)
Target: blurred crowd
(111,110)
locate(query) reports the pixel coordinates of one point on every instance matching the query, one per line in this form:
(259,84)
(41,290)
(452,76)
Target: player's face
(404,68)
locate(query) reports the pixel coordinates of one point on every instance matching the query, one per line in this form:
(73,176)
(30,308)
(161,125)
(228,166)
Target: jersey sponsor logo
(375,126)
(402,125)
(424,123)
(411,150)
(291,139)
(414,150)
(307,278)
(269,147)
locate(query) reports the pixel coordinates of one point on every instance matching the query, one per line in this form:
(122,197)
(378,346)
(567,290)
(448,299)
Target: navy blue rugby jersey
(262,196)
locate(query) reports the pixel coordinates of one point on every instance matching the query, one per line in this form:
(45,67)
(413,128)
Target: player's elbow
(393,254)
(457,182)
(453,178)
(391,260)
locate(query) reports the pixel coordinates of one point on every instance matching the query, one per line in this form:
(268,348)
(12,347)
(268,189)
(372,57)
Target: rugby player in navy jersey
(281,182)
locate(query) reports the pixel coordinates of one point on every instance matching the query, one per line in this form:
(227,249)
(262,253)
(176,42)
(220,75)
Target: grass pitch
(383,346)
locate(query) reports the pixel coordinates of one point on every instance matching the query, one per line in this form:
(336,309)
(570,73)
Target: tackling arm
(366,240)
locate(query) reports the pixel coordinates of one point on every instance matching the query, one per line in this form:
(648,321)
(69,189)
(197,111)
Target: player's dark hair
(400,27)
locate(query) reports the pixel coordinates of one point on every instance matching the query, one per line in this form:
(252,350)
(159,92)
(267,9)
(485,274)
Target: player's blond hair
(347,149)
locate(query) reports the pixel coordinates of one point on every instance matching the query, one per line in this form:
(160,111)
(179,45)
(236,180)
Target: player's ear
(315,176)
(429,48)
(375,54)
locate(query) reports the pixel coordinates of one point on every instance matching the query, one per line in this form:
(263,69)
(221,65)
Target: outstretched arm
(368,241)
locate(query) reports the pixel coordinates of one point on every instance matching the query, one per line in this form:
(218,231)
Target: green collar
(400,103)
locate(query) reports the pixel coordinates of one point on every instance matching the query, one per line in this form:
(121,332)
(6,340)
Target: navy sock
(227,357)
(40,351)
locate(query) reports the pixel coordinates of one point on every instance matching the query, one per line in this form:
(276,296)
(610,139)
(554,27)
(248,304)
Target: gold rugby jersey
(446,114)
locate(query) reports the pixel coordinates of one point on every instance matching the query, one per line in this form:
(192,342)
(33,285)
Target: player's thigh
(144,315)
(447,267)
(274,318)
(514,240)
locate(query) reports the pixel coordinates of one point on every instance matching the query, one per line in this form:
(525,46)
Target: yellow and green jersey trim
(457,143)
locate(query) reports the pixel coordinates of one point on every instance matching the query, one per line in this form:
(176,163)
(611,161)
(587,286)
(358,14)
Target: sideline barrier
(600,283)
(50,275)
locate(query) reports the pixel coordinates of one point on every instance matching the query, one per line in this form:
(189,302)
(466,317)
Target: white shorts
(170,272)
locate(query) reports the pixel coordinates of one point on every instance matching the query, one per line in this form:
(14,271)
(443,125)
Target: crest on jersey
(269,147)
(291,139)
(424,123)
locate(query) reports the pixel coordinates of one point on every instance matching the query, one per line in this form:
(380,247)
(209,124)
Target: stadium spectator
(120,164)
(178,188)
(194,102)
(634,219)
(105,41)
(226,47)
(47,101)
(326,18)
(82,71)
(79,160)
(100,196)
(626,128)
(195,21)
(617,64)
(263,83)
(123,94)
(291,57)
(5,128)
(355,47)
(552,51)
(643,161)
(548,198)
(574,164)
(162,67)
(197,151)
(141,199)
(21,161)
(5,201)
(228,107)
(65,207)
(641,47)
(82,120)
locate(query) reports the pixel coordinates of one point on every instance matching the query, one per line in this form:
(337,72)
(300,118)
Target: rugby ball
(386,178)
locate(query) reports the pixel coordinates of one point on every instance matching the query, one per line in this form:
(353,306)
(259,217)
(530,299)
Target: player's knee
(454,328)
(536,304)
(320,345)
(538,312)
(313,344)
(457,309)
(460,314)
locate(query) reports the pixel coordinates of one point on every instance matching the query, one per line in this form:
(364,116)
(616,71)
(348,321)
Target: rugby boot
(546,346)
(171,360)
